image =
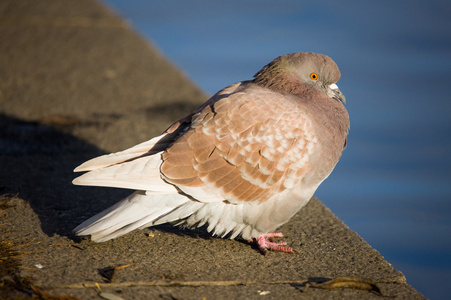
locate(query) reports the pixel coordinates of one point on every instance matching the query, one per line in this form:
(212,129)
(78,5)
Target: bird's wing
(246,146)
(150,147)
(240,146)
(139,167)
(135,168)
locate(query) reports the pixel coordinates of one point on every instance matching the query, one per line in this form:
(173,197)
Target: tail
(135,168)
(139,210)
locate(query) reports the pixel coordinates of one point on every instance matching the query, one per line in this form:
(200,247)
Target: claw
(264,245)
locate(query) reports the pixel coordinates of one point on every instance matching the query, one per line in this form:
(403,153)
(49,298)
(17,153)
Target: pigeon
(241,165)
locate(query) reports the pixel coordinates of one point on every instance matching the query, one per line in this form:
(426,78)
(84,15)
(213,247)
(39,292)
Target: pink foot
(264,245)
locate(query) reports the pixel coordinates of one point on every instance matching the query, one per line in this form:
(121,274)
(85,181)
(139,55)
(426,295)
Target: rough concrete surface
(75,82)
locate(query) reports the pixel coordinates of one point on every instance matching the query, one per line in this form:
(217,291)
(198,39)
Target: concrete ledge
(76,81)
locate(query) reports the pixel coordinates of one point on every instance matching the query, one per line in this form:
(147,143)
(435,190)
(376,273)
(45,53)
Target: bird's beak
(334,92)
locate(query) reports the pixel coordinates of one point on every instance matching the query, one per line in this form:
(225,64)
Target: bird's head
(292,73)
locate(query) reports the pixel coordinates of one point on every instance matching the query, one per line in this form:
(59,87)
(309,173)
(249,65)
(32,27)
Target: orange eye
(314,76)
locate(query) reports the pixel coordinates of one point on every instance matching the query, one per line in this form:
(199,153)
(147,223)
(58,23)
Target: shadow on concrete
(37,159)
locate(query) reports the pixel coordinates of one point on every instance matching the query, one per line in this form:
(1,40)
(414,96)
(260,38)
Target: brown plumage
(244,163)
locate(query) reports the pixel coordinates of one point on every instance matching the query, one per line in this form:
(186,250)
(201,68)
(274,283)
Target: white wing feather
(122,156)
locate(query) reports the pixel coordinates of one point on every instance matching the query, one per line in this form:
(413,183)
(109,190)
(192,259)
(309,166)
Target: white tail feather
(144,209)
(136,210)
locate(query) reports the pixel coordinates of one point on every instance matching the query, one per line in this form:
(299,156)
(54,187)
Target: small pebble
(110,296)
(263,293)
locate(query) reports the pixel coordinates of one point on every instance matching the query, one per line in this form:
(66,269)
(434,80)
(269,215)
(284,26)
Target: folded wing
(245,147)
(239,147)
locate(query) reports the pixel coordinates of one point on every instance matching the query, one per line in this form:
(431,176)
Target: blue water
(393,184)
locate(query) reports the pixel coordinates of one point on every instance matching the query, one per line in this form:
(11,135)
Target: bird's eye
(314,76)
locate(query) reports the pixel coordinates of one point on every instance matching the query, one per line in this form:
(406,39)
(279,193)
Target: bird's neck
(277,76)
(279,82)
